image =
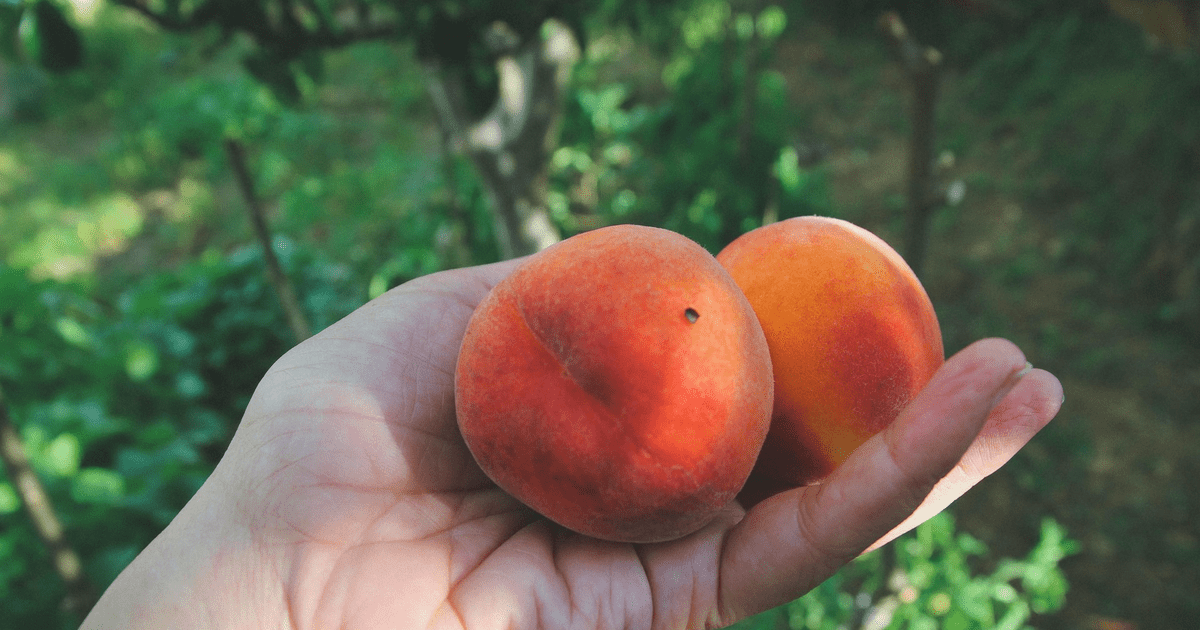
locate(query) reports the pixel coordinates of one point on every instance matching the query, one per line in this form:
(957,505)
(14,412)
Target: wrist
(205,570)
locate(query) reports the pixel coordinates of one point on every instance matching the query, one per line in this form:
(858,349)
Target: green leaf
(9,501)
(325,14)
(971,545)
(97,485)
(957,620)
(1049,593)
(179,343)
(922,622)
(141,361)
(975,600)
(134,462)
(205,427)
(1008,569)
(1014,618)
(190,385)
(941,528)
(73,332)
(787,169)
(378,286)
(771,22)
(706,22)
(1005,593)
(62,455)
(743,25)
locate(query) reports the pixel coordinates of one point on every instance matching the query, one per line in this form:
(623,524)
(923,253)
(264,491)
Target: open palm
(348,499)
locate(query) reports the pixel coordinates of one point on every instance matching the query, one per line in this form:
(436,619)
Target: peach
(852,334)
(618,383)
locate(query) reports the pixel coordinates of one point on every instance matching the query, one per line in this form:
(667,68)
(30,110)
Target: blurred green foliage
(710,159)
(929,579)
(146,391)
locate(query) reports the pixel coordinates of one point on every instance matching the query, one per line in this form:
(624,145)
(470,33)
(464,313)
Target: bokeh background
(141,139)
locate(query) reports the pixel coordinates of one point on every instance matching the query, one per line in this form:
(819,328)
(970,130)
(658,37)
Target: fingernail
(1011,382)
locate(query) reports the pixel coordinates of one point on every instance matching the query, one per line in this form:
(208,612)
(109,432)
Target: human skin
(347,498)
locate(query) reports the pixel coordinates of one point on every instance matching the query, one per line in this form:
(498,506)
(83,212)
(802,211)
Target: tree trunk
(510,146)
(923,67)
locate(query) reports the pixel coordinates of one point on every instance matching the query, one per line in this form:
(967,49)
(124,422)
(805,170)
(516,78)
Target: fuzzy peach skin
(618,383)
(852,334)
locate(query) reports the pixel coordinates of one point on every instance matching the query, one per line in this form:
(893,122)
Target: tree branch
(923,67)
(283,285)
(162,20)
(510,145)
(279,39)
(80,595)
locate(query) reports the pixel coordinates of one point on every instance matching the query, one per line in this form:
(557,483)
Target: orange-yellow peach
(852,334)
(618,383)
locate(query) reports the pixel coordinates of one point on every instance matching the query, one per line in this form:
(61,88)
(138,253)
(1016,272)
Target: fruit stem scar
(691,315)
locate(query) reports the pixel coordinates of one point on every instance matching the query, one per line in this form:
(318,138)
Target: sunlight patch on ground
(68,246)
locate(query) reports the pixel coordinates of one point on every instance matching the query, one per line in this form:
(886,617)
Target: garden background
(1051,186)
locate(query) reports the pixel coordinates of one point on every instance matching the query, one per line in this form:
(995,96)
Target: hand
(347,499)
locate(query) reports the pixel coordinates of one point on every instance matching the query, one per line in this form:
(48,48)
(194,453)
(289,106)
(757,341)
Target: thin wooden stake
(81,596)
(283,285)
(923,67)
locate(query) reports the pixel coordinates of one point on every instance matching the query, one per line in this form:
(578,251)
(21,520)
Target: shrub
(925,580)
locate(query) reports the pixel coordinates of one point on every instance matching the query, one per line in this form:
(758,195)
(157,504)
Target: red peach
(852,334)
(618,383)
